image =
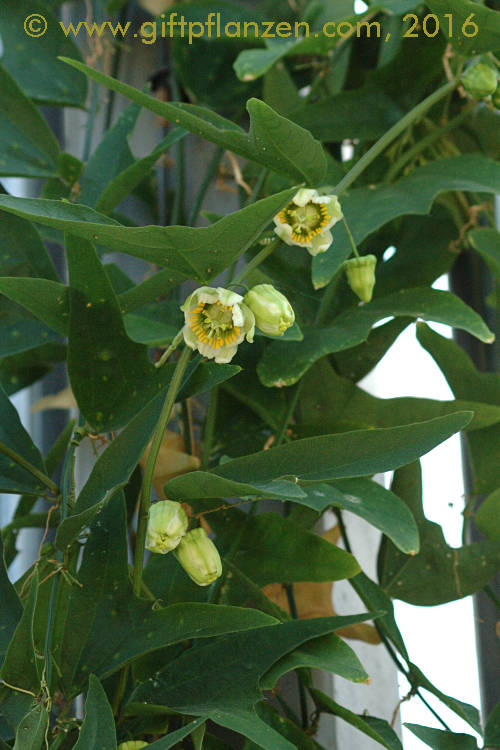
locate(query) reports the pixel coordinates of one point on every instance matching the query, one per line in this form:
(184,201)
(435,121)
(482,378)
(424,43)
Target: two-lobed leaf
(368,208)
(284,363)
(273,141)
(199,254)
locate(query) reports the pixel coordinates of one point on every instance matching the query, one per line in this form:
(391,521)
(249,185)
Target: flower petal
(225,354)
(238,316)
(190,337)
(284,232)
(248,322)
(228,297)
(320,243)
(304,195)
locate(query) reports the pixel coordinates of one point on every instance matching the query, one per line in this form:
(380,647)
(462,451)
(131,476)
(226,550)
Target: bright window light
(360,6)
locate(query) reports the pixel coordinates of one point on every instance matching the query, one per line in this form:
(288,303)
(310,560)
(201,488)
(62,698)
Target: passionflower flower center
(306,221)
(213,324)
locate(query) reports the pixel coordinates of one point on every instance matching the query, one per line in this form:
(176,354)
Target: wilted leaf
(172,461)
(62,400)
(316,600)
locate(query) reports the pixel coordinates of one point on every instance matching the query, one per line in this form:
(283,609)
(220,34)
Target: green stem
(261,177)
(173,346)
(391,134)
(214,594)
(187,426)
(178,206)
(425,142)
(177,209)
(114,71)
(257,260)
(67,488)
(280,436)
(351,238)
(31,521)
(138,585)
(205,184)
(29,467)
(367,159)
(147,482)
(326,300)
(120,689)
(209,428)
(94,101)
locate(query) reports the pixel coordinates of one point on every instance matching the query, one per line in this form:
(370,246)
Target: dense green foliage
(384,124)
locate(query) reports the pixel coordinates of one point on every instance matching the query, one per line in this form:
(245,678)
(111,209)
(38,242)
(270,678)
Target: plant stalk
(30,468)
(393,133)
(147,482)
(209,428)
(425,142)
(351,238)
(205,184)
(257,260)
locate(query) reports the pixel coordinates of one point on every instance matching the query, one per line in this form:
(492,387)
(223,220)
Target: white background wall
(441,639)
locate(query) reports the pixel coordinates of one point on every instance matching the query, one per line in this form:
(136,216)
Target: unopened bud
(273,312)
(360,274)
(199,557)
(167,525)
(480,81)
(132,745)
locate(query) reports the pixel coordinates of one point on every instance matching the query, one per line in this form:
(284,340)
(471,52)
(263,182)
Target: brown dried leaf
(62,400)
(172,461)
(315,600)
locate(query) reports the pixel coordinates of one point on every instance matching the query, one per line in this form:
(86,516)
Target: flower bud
(199,557)
(480,81)
(273,312)
(167,525)
(360,274)
(132,745)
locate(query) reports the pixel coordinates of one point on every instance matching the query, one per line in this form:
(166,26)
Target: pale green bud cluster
(132,745)
(360,274)
(167,525)
(273,312)
(480,81)
(199,557)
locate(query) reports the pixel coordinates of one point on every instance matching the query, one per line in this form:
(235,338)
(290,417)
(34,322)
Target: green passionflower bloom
(273,312)
(307,220)
(216,321)
(360,274)
(167,525)
(199,557)
(480,81)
